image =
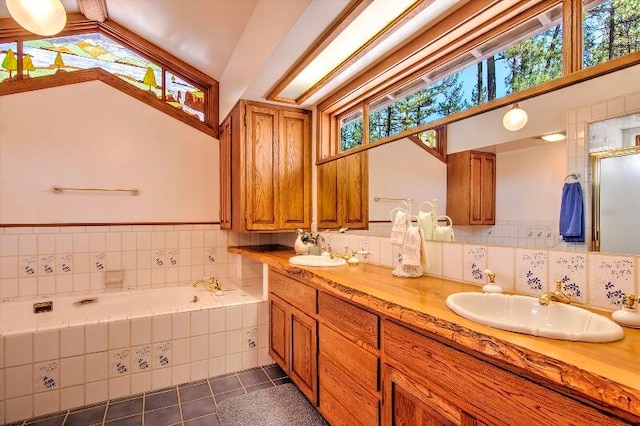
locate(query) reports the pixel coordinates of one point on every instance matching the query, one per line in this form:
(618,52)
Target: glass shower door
(618,203)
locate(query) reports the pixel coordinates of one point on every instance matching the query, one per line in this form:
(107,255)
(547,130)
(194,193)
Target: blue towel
(572,213)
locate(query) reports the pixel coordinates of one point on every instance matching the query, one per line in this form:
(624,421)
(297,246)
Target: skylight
(370,22)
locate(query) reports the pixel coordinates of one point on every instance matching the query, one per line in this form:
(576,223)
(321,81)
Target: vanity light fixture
(42,17)
(554,137)
(515,118)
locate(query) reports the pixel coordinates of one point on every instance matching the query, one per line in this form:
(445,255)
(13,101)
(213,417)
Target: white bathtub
(19,317)
(125,343)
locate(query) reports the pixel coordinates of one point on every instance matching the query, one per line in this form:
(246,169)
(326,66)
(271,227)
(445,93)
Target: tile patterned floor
(190,404)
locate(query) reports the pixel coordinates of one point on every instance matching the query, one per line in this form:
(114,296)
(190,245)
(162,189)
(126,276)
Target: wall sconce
(515,118)
(42,17)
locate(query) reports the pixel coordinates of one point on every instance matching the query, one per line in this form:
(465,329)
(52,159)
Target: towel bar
(59,189)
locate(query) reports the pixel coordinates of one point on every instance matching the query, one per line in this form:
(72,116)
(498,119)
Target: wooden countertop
(607,372)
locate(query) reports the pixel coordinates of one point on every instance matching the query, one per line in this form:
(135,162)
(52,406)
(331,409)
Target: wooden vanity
(369,348)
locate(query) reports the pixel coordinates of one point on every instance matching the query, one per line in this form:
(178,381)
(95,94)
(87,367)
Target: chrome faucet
(210,284)
(555,296)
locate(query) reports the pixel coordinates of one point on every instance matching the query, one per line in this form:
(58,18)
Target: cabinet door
(328,195)
(279,331)
(303,360)
(225,174)
(261,168)
(482,189)
(353,190)
(408,401)
(343,192)
(294,170)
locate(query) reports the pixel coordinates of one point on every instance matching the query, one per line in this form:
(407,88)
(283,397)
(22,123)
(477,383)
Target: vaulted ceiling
(248,45)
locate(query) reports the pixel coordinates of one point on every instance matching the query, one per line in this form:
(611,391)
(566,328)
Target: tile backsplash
(37,261)
(590,278)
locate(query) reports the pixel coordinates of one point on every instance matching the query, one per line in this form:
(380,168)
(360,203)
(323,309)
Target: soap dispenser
(628,315)
(491,287)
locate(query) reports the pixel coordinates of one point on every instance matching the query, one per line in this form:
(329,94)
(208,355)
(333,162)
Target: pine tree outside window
(351,130)
(524,57)
(611,29)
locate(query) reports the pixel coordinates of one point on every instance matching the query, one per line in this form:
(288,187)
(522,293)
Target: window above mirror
(522,58)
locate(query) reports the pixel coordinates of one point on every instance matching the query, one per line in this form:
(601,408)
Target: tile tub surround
(188,404)
(37,261)
(48,370)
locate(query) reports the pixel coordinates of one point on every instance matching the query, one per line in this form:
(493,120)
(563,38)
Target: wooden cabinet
(293,341)
(343,192)
(225,174)
(348,363)
(471,188)
(428,382)
(267,168)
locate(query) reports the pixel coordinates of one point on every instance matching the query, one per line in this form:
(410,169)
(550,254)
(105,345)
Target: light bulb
(515,118)
(42,17)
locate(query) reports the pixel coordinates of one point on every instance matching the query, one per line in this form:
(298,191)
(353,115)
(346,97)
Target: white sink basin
(523,314)
(311,260)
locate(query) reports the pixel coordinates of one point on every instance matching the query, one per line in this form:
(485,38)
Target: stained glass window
(184,96)
(9,68)
(71,53)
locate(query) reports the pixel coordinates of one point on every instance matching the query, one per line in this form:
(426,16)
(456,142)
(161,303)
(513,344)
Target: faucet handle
(559,286)
(630,301)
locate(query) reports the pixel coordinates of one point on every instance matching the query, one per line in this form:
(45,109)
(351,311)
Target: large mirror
(530,173)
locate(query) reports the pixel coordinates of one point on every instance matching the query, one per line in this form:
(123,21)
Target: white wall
(529,182)
(91,135)
(402,169)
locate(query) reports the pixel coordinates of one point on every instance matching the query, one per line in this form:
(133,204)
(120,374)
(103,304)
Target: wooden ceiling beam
(93,10)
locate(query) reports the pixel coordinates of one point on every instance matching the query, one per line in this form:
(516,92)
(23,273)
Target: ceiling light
(374,19)
(515,118)
(42,17)
(554,137)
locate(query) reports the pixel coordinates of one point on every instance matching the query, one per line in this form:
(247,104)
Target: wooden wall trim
(572,37)
(349,14)
(367,47)
(395,59)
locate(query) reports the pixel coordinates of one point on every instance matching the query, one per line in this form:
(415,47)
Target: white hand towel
(424,257)
(398,228)
(426,223)
(444,233)
(411,248)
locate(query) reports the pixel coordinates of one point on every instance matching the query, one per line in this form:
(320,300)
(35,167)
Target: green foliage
(611,30)
(351,135)
(534,60)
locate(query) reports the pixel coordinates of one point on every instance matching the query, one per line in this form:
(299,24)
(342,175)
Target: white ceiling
(247,45)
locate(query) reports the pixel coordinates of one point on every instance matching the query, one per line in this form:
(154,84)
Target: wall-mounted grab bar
(59,189)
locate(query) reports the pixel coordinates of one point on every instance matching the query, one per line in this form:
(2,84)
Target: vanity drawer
(355,323)
(341,397)
(296,293)
(350,358)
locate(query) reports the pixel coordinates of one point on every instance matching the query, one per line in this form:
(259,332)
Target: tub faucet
(210,284)
(556,296)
